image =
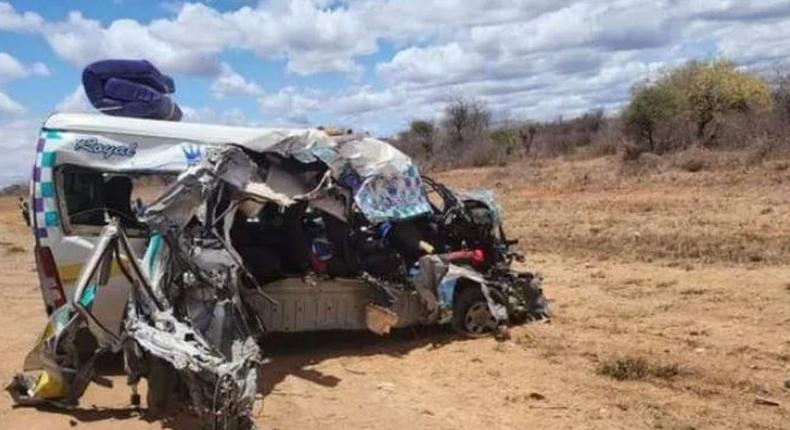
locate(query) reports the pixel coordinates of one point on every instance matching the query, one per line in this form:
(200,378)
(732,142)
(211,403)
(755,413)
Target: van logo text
(93,146)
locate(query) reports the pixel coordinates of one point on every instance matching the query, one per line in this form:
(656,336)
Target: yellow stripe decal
(70,272)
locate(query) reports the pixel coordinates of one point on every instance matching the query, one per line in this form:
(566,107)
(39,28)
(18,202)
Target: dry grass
(15,249)
(692,164)
(672,281)
(588,209)
(638,368)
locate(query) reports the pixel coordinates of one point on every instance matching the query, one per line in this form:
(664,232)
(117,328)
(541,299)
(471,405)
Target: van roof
(196,132)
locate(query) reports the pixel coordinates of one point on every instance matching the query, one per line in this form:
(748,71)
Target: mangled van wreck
(242,232)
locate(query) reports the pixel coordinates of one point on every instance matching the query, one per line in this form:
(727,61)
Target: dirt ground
(678,282)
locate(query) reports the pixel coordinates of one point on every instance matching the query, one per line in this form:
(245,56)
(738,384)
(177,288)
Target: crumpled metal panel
(336,304)
(436,283)
(384,182)
(194,311)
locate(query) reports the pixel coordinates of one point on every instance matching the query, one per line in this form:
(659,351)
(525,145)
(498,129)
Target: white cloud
(75,102)
(291,106)
(80,40)
(537,58)
(11,68)
(312,39)
(753,43)
(433,65)
(420,20)
(11,20)
(172,6)
(207,114)
(230,82)
(9,107)
(39,69)
(329,36)
(729,10)
(18,148)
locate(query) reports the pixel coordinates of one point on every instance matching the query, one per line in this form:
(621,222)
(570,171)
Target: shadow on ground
(287,354)
(294,354)
(178,421)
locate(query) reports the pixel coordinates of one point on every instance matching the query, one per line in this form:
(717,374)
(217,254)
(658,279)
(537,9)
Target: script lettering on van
(106,150)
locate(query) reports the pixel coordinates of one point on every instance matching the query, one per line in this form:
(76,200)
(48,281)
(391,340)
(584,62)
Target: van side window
(83,192)
(88,198)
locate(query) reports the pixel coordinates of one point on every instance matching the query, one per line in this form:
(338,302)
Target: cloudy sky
(371,64)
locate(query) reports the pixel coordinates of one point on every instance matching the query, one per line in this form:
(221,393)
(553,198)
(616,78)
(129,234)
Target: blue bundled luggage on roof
(132,88)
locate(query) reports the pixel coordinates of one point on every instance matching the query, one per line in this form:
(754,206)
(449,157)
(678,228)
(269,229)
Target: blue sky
(193,89)
(367,64)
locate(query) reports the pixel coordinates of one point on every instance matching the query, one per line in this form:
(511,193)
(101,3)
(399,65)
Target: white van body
(75,151)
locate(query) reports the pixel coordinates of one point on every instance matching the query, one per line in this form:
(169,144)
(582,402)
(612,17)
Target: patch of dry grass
(693,160)
(704,217)
(15,249)
(632,368)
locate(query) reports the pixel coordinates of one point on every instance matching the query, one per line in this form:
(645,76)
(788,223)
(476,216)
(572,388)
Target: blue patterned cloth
(386,198)
(385,184)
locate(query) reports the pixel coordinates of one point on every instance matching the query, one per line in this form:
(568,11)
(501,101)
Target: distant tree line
(708,104)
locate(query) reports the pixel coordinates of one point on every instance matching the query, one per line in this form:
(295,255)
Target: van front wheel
(471,315)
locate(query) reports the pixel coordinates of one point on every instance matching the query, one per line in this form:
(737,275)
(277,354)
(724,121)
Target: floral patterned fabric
(385,183)
(386,198)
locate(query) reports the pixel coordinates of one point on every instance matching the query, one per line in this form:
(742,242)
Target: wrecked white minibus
(180,245)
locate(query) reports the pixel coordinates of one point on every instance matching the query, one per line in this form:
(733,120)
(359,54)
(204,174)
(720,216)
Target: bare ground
(678,282)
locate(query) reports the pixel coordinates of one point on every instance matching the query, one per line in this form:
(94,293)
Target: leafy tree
(649,109)
(698,93)
(506,139)
(421,127)
(423,132)
(718,87)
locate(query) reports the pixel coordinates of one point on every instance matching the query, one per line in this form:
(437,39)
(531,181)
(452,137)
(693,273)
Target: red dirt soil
(687,271)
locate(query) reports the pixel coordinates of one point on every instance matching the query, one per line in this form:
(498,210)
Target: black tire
(471,315)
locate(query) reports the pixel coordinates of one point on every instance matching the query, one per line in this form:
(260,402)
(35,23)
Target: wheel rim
(478,319)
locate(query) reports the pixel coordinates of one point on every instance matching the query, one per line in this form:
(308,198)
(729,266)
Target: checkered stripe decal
(44,207)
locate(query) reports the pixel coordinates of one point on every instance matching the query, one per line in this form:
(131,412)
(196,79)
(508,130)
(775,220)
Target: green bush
(421,127)
(651,107)
(690,103)
(506,139)
(718,87)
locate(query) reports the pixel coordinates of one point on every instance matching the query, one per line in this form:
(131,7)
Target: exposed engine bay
(242,220)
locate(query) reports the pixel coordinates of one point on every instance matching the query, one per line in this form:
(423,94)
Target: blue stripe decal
(51,219)
(152,252)
(53,134)
(47,190)
(48,159)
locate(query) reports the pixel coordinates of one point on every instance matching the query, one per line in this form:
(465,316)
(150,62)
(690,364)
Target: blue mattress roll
(133,88)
